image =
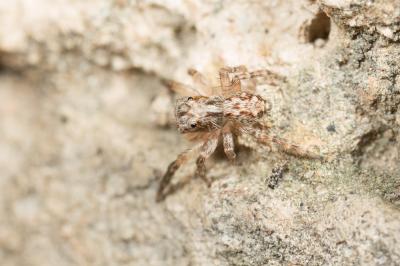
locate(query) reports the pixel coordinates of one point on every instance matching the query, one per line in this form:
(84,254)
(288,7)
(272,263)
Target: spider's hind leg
(267,76)
(230,87)
(250,81)
(263,135)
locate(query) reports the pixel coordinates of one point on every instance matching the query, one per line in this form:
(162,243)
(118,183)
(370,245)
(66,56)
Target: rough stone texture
(80,154)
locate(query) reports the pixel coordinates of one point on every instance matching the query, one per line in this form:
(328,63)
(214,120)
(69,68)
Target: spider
(211,115)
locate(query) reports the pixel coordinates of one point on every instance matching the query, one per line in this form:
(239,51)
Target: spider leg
(250,84)
(228,143)
(206,150)
(172,168)
(262,135)
(268,76)
(253,78)
(200,81)
(180,88)
(230,87)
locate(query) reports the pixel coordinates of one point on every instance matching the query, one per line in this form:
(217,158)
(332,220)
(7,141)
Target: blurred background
(86,132)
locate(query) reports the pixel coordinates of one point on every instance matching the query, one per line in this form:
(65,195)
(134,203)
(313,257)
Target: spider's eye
(193,125)
(190,98)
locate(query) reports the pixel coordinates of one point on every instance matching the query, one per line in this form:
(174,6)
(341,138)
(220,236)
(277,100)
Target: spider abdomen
(245,106)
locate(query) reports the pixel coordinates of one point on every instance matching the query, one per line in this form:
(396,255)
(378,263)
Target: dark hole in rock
(319,28)
(1,63)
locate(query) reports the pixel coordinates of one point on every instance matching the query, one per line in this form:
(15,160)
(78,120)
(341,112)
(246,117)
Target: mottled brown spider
(213,114)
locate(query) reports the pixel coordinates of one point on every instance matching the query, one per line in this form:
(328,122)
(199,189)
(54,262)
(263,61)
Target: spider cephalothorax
(199,113)
(218,113)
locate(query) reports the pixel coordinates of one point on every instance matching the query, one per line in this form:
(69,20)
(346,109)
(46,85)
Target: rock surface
(80,154)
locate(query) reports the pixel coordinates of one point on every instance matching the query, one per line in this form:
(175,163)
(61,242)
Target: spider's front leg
(200,81)
(207,149)
(180,88)
(172,168)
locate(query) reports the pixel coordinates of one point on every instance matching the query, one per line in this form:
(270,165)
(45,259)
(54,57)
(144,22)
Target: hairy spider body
(244,107)
(210,116)
(202,114)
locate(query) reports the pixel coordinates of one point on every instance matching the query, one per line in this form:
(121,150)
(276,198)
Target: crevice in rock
(365,141)
(319,28)
(2,63)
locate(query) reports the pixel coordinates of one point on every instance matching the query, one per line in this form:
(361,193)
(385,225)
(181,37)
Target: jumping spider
(212,114)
